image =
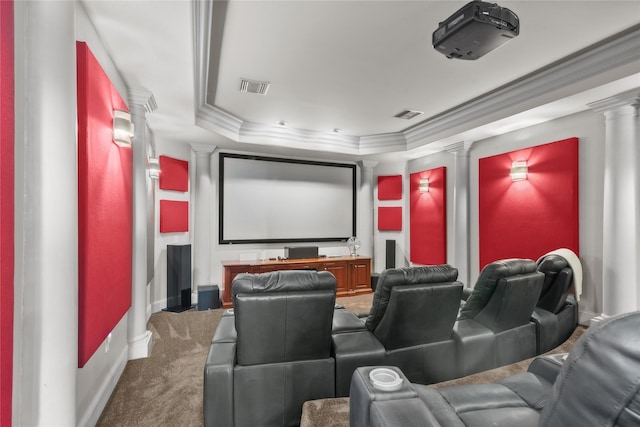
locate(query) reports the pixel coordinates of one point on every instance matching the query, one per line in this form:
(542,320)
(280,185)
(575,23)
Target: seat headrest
(283,281)
(488,279)
(552,264)
(405,276)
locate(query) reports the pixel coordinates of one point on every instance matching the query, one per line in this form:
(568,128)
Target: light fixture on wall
(154,168)
(519,170)
(122,128)
(423,185)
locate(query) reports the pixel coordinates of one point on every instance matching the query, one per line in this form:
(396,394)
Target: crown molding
(534,89)
(560,79)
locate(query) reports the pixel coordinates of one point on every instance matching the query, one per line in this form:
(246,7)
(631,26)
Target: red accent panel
(104,209)
(390,187)
(7,147)
(428,218)
(174,174)
(526,219)
(174,216)
(389,218)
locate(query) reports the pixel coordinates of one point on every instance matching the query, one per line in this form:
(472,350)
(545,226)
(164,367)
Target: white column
(202,216)
(139,338)
(460,216)
(621,210)
(46,275)
(365,209)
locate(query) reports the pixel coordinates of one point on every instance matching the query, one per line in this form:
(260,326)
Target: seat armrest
(369,406)
(346,321)
(226,330)
(352,350)
(548,366)
(218,384)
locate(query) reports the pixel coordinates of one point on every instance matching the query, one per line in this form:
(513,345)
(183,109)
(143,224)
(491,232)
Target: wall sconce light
(122,128)
(154,168)
(519,171)
(423,185)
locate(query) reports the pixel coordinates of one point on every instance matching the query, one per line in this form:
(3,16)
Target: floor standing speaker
(178,277)
(390,254)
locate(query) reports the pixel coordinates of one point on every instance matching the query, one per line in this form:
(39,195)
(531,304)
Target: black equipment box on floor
(208,297)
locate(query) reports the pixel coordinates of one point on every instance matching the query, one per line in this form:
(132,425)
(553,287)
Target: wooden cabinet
(353,274)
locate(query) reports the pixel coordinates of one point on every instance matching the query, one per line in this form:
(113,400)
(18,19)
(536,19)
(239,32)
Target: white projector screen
(275,200)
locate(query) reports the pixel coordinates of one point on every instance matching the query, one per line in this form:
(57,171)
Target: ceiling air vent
(254,86)
(408,114)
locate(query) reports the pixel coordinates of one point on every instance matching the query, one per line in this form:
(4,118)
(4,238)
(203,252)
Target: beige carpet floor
(165,389)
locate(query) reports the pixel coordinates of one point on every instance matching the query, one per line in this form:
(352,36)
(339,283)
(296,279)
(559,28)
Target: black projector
(475,30)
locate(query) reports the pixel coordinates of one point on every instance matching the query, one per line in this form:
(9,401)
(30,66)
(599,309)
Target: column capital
(461,147)
(200,149)
(368,164)
(625,99)
(143,98)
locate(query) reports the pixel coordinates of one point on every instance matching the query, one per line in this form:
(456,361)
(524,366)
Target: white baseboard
(99,402)
(140,346)
(159,305)
(585,317)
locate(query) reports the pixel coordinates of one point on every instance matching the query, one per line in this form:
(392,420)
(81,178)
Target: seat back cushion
(419,314)
(488,280)
(599,383)
(404,276)
(512,302)
(554,297)
(283,316)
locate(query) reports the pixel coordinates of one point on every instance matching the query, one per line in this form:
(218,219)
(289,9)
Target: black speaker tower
(178,278)
(390,254)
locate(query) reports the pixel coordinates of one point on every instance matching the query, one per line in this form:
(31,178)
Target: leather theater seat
(273,352)
(410,325)
(416,323)
(596,385)
(494,327)
(556,314)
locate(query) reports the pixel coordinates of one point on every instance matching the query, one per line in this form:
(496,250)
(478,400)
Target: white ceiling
(353,65)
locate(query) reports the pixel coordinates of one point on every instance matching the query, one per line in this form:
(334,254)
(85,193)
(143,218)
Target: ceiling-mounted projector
(475,30)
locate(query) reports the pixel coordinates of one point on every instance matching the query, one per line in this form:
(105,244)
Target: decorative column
(202,216)
(140,339)
(365,215)
(460,216)
(46,221)
(621,210)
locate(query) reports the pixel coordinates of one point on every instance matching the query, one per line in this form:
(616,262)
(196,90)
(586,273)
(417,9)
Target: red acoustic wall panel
(174,216)
(7,146)
(390,187)
(174,174)
(104,209)
(428,217)
(528,218)
(390,218)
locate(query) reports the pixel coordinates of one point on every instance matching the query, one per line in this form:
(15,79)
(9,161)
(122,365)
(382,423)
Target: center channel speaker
(300,252)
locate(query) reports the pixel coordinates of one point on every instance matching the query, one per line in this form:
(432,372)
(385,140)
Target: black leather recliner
(494,326)
(409,325)
(274,352)
(556,314)
(596,385)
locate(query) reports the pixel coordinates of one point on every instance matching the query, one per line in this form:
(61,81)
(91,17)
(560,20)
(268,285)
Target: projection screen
(276,200)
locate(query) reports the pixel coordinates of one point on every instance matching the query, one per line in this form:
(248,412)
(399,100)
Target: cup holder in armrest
(385,379)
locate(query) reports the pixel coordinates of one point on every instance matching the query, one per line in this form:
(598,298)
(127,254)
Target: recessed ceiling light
(408,114)
(281,124)
(336,130)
